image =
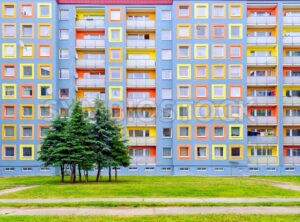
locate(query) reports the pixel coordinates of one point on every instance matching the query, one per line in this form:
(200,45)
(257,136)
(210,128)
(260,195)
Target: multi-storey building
(199,87)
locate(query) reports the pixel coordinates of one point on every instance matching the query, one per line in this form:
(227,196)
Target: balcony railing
(262,120)
(263,160)
(90,102)
(90,44)
(291,60)
(140,63)
(141,141)
(291,120)
(141,102)
(292,160)
(261,100)
(291,20)
(90,63)
(291,80)
(141,44)
(141,121)
(140,83)
(262,80)
(142,160)
(291,40)
(261,40)
(90,83)
(90,24)
(261,20)
(262,139)
(262,60)
(291,101)
(140,24)
(291,140)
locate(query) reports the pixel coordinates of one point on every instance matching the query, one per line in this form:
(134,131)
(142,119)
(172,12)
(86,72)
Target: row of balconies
(272,40)
(273,140)
(100,83)
(272,100)
(92,44)
(273,120)
(271,80)
(100,63)
(272,20)
(272,60)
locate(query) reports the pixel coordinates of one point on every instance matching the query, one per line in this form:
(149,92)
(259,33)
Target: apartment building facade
(199,87)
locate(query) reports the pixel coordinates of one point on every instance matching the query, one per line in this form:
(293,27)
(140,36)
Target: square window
(9,10)
(115,93)
(184,11)
(64,73)
(27,51)
(115,73)
(235,11)
(166,35)
(27,71)
(201,51)
(235,92)
(183,51)
(9,91)
(8,71)
(45,91)
(8,152)
(26,10)
(44,10)
(218,91)
(63,53)
(218,71)
(218,51)
(27,111)
(166,93)
(184,71)
(184,131)
(201,91)
(26,131)
(26,91)
(9,31)
(235,111)
(9,51)
(9,111)
(183,111)
(44,111)
(235,31)
(116,112)
(218,11)
(43,130)
(166,54)
(184,91)
(26,152)
(236,152)
(201,71)
(219,152)
(64,112)
(235,51)
(167,152)
(44,71)
(219,111)
(201,111)
(64,34)
(115,34)
(183,31)
(218,31)
(64,93)
(44,51)
(201,31)
(166,74)
(45,30)
(9,131)
(235,71)
(235,132)
(201,152)
(219,131)
(167,112)
(167,132)
(115,15)
(166,15)
(201,10)
(184,151)
(201,131)
(63,14)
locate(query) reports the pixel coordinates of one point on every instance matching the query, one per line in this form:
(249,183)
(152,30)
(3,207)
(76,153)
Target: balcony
(263,160)
(141,63)
(261,80)
(262,120)
(90,64)
(292,160)
(291,80)
(262,139)
(291,20)
(291,60)
(90,102)
(291,40)
(90,44)
(141,102)
(141,83)
(141,24)
(264,40)
(141,121)
(90,24)
(291,140)
(261,61)
(291,120)
(261,100)
(141,141)
(261,21)
(142,160)
(291,101)
(141,44)
(90,83)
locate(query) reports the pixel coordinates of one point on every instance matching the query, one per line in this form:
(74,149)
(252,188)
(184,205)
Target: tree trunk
(86,176)
(116,174)
(62,172)
(79,173)
(98,173)
(74,173)
(109,173)
(71,173)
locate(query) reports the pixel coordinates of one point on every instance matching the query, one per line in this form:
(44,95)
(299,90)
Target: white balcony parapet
(291,80)
(262,60)
(291,20)
(90,63)
(264,160)
(261,40)
(141,141)
(142,160)
(291,60)
(294,160)
(291,140)
(261,20)
(90,102)
(291,120)
(141,121)
(262,120)
(141,83)
(141,102)
(141,44)
(262,80)
(140,24)
(140,63)
(262,139)
(90,43)
(90,24)
(261,100)
(291,40)
(90,83)
(291,101)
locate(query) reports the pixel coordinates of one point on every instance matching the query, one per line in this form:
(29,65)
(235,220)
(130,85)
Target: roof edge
(117,2)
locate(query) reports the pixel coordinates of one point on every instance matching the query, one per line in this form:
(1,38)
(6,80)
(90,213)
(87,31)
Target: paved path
(153,200)
(15,189)
(125,211)
(282,185)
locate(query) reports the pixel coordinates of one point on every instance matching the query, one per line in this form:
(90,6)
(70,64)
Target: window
(218,11)
(236,152)
(63,53)
(115,15)
(166,93)
(235,31)
(26,152)
(201,91)
(183,31)
(201,11)
(235,51)
(8,152)
(44,91)
(44,111)
(166,54)
(8,131)
(184,111)
(26,131)
(8,10)
(43,130)
(183,132)
(115,93)
(44,10)
(235,10)
(166,74)
(64,34)
(184,11)
(9,91)
(27,51)
(183,51)
(115,34)
(235,111)
(219,152)
(201,31)
(201,51)
(219,131)
(115,54)
(235,132)
(44,71)
(115,73)
(64,93)
(166,15)
(27,111)
(201,71)
(201,151)
(64,73)
(218,91)
(183,71)
(45,30)
(201,131)
(184,91)
(235,92)
(9,31)
(167,112)
(235,71)
(8,111)
(167,152)
(167,132)
(44,51)
(26,91)
(166,35)
(218,111)
(184,152)
(26,10)
(218,71)
(218,51)
(9,51)
(116,112)
(26,71)
(8,71)
(63,14)
(201,111)
(218,31)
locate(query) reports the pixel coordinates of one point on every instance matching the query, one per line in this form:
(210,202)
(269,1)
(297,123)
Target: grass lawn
(189,218)
(142,186)
(288,179)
